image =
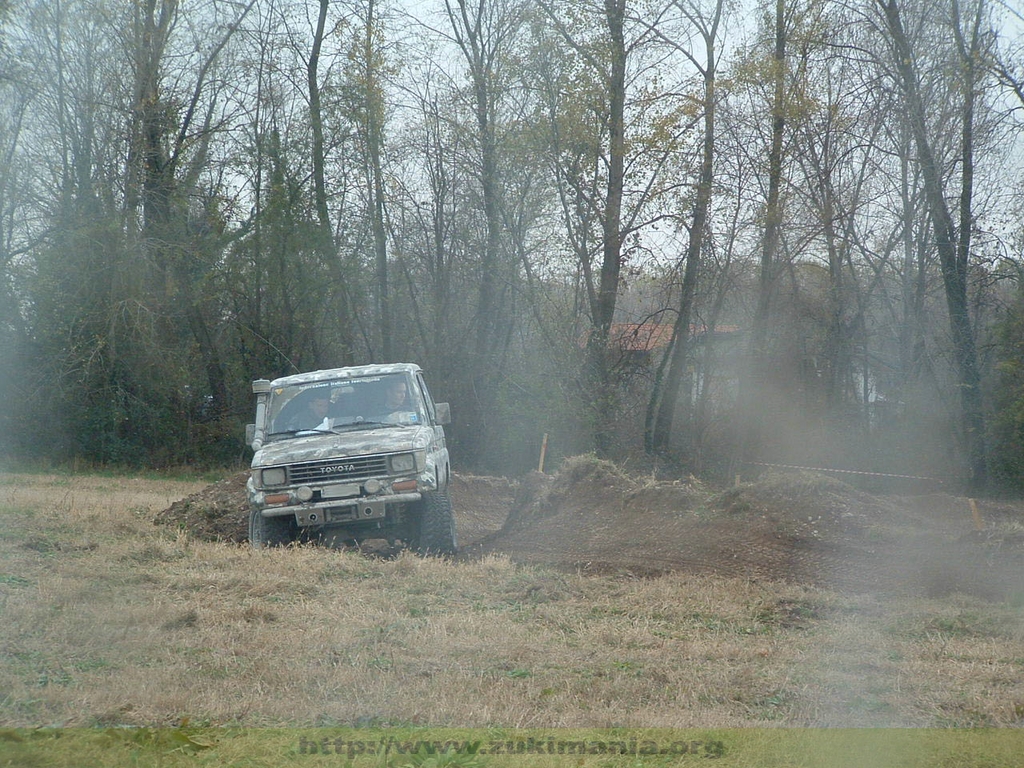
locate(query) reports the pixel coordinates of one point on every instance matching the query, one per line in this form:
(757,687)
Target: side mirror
(443,412)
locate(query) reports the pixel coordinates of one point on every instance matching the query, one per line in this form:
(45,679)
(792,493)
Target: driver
(313,414)
(396,400)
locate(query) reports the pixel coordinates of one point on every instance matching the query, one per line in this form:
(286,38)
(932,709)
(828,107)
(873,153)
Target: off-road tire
(270,531)
(435,526)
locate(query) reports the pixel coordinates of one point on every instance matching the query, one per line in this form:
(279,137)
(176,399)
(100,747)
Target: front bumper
(335,511)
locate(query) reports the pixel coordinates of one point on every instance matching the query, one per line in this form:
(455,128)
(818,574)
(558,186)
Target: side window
(426,398)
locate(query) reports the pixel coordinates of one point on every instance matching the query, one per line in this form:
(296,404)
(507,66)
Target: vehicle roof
(351,372)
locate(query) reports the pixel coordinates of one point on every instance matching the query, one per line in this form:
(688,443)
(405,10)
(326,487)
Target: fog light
(372,486)
(304,493)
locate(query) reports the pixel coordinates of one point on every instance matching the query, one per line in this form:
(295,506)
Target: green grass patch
(505,748)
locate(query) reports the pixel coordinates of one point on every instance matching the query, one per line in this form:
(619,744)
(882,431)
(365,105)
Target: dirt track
(795,527)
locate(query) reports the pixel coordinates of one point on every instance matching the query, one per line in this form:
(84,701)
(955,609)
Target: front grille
(358,468)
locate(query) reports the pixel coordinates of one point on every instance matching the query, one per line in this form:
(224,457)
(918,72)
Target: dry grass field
(107,619)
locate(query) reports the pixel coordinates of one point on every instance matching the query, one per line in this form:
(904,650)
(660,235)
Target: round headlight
(403,462)
(274,476)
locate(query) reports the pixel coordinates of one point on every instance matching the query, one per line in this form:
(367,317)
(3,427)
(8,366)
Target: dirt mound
(220,512)
(801,527)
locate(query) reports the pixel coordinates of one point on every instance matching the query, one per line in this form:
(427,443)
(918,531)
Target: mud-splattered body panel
(349,447)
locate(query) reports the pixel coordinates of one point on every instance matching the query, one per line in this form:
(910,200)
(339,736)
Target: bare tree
(373,117)
(754,381)
(486,32)
(328,251)
(170,156)
(665,394)
(589,159)
(952,240)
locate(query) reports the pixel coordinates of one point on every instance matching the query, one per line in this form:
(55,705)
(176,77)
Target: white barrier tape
(846,471)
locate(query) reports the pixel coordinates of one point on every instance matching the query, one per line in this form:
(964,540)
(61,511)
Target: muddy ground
(793,527)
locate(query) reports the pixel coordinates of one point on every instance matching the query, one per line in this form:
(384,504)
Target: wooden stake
(976,514)
(543,451)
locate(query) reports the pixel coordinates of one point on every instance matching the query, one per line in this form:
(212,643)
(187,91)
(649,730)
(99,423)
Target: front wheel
(270,531)
(435,526)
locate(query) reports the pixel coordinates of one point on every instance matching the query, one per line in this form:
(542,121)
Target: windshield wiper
(349,426)
(301,432)
(352,426)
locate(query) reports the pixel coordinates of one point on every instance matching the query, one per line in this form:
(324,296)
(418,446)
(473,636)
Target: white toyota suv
(355,453)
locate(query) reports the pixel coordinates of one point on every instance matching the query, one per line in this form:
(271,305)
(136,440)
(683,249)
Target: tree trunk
(603,309)
(375,148)
(661,433)
(325,245)
(480,32)
(751,412)
(953,250)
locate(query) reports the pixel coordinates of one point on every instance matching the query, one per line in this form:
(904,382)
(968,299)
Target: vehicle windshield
(342,405)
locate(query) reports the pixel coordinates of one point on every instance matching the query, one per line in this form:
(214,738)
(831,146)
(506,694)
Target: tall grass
(108,619)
